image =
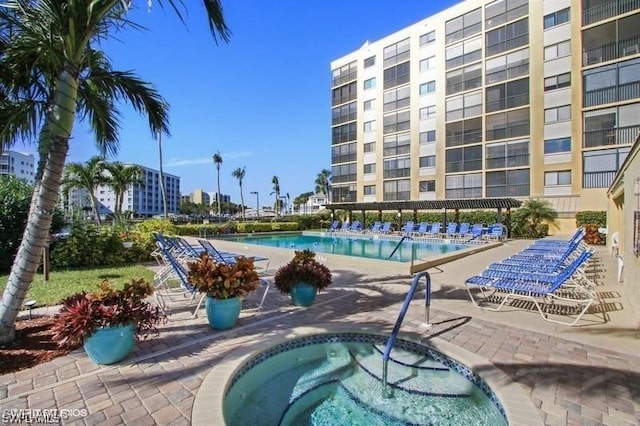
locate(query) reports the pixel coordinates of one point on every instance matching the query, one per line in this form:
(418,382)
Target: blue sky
(262,100)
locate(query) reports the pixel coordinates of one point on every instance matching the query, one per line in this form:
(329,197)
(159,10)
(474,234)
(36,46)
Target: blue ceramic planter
(109,345)
(303,294)
(223,313)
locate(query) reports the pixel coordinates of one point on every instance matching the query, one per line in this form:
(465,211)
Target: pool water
(332,379)
(370,247)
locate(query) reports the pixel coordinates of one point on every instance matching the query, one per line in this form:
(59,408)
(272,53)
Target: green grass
(65,283)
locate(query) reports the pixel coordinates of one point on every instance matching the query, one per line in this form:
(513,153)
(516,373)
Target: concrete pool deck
(588,374)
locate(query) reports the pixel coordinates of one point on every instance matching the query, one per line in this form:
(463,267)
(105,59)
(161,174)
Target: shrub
(598,218)
(146,229)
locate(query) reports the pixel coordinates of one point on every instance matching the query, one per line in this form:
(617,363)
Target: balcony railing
(608,95)
(611,136)
(597,179)
(611,51)
(607,10)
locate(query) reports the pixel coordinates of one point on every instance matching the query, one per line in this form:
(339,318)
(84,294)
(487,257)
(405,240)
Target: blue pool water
(331,379)
(369,247)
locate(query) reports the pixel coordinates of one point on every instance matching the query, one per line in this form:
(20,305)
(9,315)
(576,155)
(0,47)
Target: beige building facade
(507,98)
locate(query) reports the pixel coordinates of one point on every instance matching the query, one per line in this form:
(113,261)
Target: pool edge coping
(208,404)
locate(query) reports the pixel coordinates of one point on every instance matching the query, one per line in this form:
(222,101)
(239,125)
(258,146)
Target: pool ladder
(396,328)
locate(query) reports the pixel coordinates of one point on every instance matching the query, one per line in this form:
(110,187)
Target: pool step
(411,359)
(339,364)
(426,377)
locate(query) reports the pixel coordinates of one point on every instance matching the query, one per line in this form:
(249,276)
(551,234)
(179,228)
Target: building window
(467,78)
(344,133)
(509,124)
(600,167)
(344,193)
(463,186)
(463,26)
(557,50)
(343,173)
(427,88)
(427,186)
(370,147)
(397,144)
(561,177)
(464,132)
(369,190)
(369,168)
(464,53)
(397,190)
(345,74)
(369,126)
(611,83)
(427,137)
(368,105)
(507,154)
(396,122)
(501,11)
(397,75)
(508,183)
(396,99)
(561,113)
(464,159)
(556,18)
(428,64)
(506,67)
(428,161)
(462,106)
(556,146)
(507,95)
(397,167)
(343,113)
(611,126)
(428,38)
(344,94)
(370,61)
(557,81)
(370,83)
(396,53)
(509,37)
(428,112)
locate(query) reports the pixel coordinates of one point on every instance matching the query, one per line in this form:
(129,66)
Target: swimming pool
(370,247)
(332,378)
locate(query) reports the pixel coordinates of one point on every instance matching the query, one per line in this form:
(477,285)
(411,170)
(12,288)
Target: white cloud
(226,156)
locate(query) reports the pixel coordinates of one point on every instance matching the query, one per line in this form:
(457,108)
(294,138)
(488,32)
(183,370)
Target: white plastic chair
(615,242)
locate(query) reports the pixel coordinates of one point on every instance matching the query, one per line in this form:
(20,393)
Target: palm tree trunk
(163,191)
(94,204)
(218,196)
(55,137)
(242,201)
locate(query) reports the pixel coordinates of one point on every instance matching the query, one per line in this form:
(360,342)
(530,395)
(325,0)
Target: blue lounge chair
(386,228)
(229,257)
(435,229)
(452,228)
(407,228)
(556,289)
(345,227)
(356,226)
(464,230)
(422,229)
(334,226)
(496,232)
(375,228)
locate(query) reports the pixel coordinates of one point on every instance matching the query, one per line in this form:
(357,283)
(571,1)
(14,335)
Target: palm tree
(239,174)
(86,176)
(50,73)
(288,202)
(276,190)
(121,177)
(217,160)
(537,211)
(323,184)
(163,189)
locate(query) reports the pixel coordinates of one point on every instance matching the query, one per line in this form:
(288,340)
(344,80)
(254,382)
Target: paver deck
(585,375)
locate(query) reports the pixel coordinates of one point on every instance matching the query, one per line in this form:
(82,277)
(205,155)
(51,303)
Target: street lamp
(257,202)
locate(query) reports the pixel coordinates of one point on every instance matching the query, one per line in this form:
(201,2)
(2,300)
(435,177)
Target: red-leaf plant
(84,313)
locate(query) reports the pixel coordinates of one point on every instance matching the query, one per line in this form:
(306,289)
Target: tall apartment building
(143,200)
(507,98)
(198,196)
(18,164)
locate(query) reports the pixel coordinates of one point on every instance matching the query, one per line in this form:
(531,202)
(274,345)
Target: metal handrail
(406,237)
(396,327)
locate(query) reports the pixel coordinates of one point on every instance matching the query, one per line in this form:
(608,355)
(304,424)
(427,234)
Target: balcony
(611,136)
(609,95)
(608,9)
(597,179)
(612,40)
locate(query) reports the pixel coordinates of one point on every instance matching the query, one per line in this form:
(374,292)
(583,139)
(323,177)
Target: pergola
(441,205)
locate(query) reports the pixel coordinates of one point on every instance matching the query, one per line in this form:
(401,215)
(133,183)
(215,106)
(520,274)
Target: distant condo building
(508,98)
(17,164)
(145,200)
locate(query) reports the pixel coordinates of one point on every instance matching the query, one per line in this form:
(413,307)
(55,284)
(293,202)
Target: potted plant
(302,278)
(225,285)
(107,322)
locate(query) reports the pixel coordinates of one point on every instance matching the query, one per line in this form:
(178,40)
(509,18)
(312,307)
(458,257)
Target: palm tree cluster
(52,73)
(95,172)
